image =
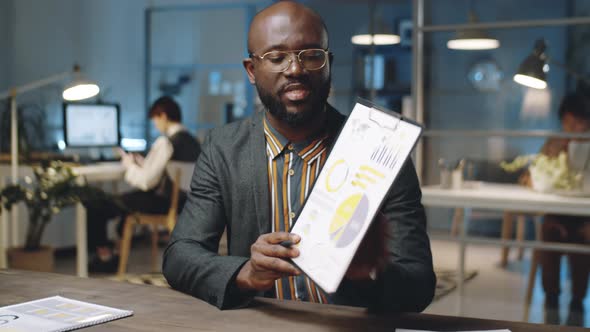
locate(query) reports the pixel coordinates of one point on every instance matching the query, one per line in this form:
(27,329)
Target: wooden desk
(162,309)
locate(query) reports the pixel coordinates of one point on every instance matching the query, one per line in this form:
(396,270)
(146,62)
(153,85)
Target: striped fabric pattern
(292,170)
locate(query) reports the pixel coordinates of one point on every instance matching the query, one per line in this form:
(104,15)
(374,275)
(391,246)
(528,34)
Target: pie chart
(348,220)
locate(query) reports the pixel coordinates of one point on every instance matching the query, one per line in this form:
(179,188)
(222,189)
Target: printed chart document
(405,330)
(56,314)
(363,164)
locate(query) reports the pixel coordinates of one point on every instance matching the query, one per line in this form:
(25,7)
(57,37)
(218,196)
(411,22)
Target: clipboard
(365,160)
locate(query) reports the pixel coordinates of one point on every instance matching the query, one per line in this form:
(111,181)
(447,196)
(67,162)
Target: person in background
(152,186)
(253,177)
(574,115)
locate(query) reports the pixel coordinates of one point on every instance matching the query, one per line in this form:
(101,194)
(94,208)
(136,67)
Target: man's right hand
(267,262)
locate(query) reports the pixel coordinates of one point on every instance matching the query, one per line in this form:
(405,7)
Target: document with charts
(405,330)
(365,160)
(56,314)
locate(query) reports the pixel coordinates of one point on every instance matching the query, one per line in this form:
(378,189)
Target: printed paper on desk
(56,314)
(365,160)
(404,330)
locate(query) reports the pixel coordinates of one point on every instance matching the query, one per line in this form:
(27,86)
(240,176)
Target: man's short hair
(577,105)
(166,105)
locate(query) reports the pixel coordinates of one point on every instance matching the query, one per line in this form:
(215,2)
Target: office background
(197,56)
(188,39)
(137,50)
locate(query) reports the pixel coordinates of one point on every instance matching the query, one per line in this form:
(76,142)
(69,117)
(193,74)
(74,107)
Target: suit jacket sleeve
(191,263)
(408,281)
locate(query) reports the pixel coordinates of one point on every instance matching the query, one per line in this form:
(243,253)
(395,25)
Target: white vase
(540,180)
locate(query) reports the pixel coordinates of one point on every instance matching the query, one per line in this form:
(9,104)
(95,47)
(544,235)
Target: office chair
(506,232)
(180,173)
(489,171)
(532,270)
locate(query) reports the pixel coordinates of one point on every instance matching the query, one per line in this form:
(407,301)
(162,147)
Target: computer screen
(91,125)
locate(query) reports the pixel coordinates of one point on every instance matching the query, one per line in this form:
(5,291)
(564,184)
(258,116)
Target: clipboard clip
(392,126)
(376,109)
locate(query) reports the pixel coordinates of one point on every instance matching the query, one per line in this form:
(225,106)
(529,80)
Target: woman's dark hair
(577,105)
(168,106)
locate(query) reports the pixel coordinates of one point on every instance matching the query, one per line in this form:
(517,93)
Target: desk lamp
(532,72)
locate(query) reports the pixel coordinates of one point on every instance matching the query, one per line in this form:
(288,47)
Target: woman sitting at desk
(148,176)
(574,114)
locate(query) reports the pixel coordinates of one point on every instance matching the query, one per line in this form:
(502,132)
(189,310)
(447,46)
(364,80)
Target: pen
(287,244)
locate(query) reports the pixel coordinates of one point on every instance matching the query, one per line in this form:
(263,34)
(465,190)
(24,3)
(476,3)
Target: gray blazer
(230,189)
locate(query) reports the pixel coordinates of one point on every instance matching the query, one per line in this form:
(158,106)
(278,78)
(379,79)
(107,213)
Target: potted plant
(546,173)
(53,187)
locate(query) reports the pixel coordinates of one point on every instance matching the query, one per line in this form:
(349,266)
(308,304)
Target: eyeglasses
(279,61)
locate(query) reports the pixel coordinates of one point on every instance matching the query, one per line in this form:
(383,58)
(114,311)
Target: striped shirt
(292,170)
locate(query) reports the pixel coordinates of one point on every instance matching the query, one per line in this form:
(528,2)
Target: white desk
(510,197)
(101,172)
(493,196)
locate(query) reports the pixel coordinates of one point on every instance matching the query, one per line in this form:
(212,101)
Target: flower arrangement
(54,187)
(547,173)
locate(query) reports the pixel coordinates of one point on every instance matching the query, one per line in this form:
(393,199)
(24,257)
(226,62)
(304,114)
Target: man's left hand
(372,253)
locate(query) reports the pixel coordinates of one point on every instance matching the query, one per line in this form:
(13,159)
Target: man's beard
(317,100)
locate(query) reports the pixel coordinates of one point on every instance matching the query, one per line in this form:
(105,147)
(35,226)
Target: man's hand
(267,262)
(138,159)
(372,253)
(126,158)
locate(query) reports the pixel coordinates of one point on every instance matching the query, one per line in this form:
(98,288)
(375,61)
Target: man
(574,114)
(254,175)
(148,176)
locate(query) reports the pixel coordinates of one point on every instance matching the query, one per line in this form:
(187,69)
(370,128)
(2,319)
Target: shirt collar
(275,141)
(278,143)
(173,129)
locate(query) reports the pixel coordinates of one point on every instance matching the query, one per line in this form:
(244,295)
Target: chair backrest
(186,170)
(181,174)
(489,171)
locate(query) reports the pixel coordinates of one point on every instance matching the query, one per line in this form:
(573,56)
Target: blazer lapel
(259,171)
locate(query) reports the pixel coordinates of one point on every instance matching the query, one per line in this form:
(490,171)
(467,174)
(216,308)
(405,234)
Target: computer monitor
(91,125)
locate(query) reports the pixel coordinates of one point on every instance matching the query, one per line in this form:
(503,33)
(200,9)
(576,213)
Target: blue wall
(453,103)
(347,19)
(105,37)
(6,42)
